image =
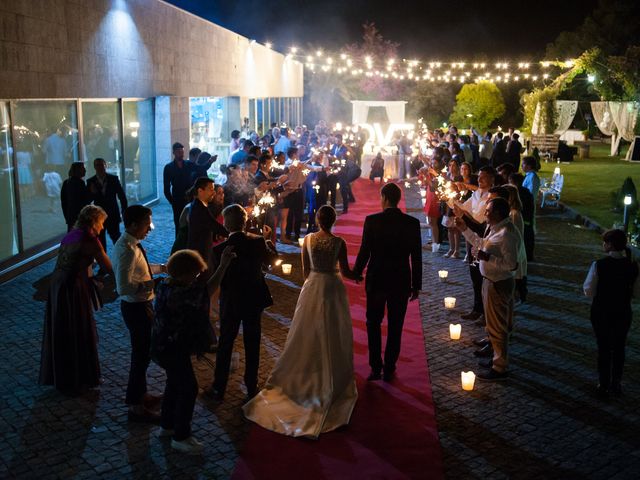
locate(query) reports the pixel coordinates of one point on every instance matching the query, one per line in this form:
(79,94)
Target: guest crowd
(479,194)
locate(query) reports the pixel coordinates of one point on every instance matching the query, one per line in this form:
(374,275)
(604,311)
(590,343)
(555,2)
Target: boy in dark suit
(106,190)
(244,294)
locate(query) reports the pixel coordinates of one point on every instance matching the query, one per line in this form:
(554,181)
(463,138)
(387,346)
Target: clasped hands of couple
(358,278)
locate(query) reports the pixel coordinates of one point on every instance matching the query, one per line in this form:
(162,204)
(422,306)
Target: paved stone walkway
(544,422)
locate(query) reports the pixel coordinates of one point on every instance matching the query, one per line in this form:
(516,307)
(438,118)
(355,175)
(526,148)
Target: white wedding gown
(312,389)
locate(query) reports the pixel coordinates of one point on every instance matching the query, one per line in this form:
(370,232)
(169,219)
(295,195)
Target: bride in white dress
(312,389)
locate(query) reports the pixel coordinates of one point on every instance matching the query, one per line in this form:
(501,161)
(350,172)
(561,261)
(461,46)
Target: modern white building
(121,80)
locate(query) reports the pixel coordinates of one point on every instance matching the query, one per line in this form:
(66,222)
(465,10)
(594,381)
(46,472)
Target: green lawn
(588,183)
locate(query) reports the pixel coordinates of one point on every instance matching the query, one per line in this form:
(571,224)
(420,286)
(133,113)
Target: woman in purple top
(69,358)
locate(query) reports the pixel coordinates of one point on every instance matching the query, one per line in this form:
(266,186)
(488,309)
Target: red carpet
(393,432)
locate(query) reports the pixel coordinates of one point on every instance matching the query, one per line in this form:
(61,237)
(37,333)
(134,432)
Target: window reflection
(8,224)
(47,139)
(101,126)
(139,150)
(212,121)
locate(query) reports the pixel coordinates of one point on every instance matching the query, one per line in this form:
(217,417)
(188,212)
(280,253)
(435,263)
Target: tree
(433,102)
(611,26)
(478,104)
(327,93)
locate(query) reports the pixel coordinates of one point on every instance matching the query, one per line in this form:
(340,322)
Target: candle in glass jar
(443,274)
(286,268)
(449,302)
(455,329)
(301,241)
(468,379)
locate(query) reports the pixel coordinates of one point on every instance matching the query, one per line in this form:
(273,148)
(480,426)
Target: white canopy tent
(617,119)
(565,112)
(394,109)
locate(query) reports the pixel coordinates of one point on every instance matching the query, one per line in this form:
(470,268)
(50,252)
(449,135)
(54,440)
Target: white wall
(131,48)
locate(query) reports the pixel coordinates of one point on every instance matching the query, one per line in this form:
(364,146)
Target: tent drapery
(625,116)
(565,111)
(603,118)
(394,109)
(617,119)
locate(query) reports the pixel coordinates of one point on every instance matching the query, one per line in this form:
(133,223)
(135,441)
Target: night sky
(425,29)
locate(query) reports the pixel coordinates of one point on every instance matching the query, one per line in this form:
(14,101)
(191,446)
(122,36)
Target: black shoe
(616,389)
(472,315)
(602,393)
(481,342)
(374,375)
(214,394)
(486,362)
(146,417)
(388,374)
(493,375)
(484,352)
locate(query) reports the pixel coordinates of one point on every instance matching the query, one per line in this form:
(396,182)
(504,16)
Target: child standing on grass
(612,282)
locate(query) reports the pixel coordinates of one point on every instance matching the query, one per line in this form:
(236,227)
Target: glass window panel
(274,112)
(252,114)
(8,221)
(139,151)
(101,135)
(260,117)
(52,127)
(212,121)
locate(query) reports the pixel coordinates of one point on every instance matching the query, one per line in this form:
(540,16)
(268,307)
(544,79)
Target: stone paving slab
(544,422)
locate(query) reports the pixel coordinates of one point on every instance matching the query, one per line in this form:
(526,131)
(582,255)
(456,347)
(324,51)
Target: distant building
(122,82)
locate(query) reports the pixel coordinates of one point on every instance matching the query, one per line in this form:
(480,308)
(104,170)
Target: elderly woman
(69,358)
(182,328)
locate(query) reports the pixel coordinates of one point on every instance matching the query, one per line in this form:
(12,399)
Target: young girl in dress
(612,282)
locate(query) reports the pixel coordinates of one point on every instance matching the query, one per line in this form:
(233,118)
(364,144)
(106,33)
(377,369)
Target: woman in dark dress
(69,358)
(74,194)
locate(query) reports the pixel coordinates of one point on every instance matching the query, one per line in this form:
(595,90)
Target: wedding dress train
(311,389)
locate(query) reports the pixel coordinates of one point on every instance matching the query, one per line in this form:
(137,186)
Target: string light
(417,70)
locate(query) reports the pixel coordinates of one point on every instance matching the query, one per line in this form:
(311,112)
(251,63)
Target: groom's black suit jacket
(392,248)
(109,200)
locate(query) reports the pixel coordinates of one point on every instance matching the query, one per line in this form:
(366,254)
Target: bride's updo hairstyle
(326,217)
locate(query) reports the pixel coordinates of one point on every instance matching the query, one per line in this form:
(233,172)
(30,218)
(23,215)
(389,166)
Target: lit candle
(449,302)
(468,379)
(301,241)
(443,274)
(455,329)
(286,268)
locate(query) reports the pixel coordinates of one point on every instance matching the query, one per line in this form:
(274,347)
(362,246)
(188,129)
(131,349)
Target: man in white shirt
(498,257)
(475,207)
(282,144)
(135,283)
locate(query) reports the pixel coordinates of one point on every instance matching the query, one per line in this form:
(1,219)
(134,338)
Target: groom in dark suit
(391,247)
(244,294)
(106,190)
